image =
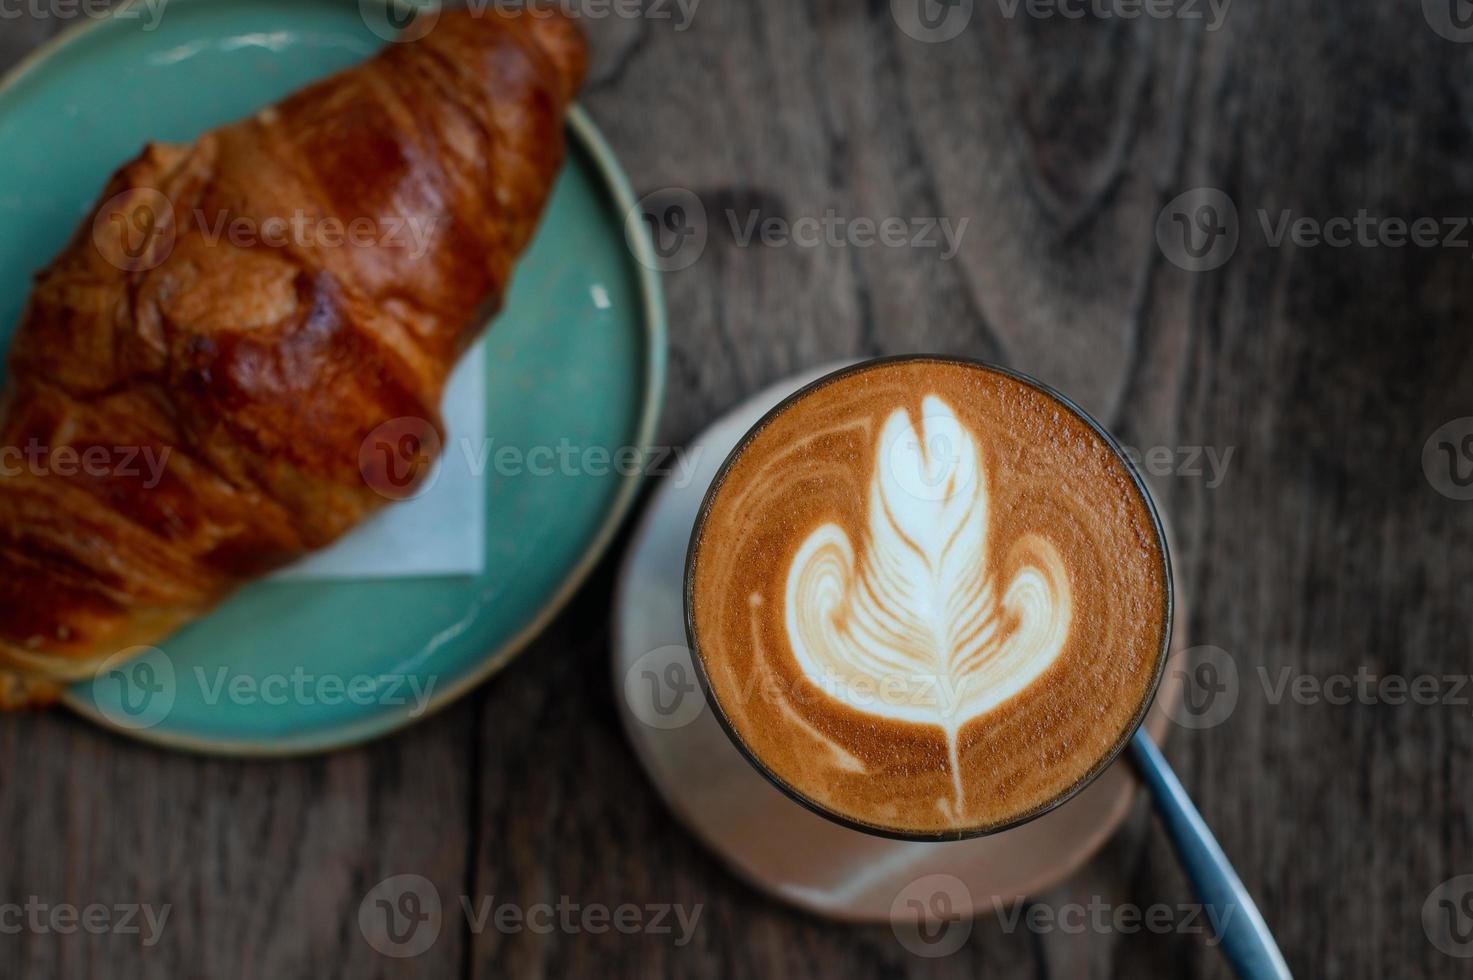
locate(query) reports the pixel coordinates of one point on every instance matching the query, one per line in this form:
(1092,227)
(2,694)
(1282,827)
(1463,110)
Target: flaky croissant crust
(254,370)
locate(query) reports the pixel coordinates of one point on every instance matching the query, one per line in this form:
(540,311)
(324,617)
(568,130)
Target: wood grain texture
(1322,550)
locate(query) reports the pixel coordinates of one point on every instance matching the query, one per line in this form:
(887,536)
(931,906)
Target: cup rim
(792,792)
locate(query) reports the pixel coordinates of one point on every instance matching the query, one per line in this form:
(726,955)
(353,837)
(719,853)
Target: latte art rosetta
(912,624)
(928,598)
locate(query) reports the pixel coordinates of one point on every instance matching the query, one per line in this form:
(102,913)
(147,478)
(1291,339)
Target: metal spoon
(1244,936)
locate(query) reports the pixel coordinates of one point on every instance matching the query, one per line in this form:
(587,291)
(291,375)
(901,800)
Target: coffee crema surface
(928,598)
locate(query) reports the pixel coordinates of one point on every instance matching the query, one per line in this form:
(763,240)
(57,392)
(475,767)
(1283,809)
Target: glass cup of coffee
(928,598)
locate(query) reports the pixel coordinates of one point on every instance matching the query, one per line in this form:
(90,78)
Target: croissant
(223,384)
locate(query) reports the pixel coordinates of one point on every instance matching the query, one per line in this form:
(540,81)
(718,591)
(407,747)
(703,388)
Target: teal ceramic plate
(578,354)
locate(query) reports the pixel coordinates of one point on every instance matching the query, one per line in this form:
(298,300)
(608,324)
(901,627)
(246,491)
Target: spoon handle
(1244,936)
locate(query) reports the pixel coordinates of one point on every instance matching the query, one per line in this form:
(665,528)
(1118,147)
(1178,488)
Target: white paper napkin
(440,532)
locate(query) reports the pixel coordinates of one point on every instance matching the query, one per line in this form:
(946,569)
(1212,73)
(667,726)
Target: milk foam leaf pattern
(913,623)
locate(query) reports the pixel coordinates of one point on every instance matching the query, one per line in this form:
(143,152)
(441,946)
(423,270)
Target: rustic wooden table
(1321,550)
